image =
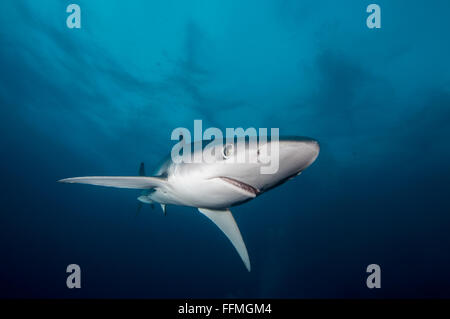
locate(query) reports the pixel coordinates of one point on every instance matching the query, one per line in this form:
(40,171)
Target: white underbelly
(211,193)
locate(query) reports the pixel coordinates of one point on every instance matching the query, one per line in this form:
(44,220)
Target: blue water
(101,99)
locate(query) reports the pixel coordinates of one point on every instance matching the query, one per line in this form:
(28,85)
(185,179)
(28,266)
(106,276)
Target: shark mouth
(253,192)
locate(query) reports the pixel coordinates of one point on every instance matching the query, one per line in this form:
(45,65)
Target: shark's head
(255,166)
(277,162)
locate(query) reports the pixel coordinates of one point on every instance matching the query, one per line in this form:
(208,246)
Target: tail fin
(136,182)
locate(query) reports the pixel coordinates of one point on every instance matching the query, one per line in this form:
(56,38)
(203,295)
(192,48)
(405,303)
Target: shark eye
(227,150)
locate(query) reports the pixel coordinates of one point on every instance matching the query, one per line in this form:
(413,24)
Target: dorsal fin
(142,169)
(226,223)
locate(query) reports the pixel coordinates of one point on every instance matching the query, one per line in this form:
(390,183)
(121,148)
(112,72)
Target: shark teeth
(246,187)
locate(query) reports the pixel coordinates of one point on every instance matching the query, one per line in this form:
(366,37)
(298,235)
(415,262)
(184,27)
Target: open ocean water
(100,99)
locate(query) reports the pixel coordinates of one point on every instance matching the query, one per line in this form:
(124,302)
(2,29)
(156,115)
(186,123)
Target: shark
(216,186)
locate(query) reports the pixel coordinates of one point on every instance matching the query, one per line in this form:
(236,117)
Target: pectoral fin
(139,182)
(225,221)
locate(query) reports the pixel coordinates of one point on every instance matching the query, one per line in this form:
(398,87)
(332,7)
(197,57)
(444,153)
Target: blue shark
(213,188)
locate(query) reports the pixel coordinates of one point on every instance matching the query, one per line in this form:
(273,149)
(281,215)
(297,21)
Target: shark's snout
(314,149)
(299,153)
(309,150)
